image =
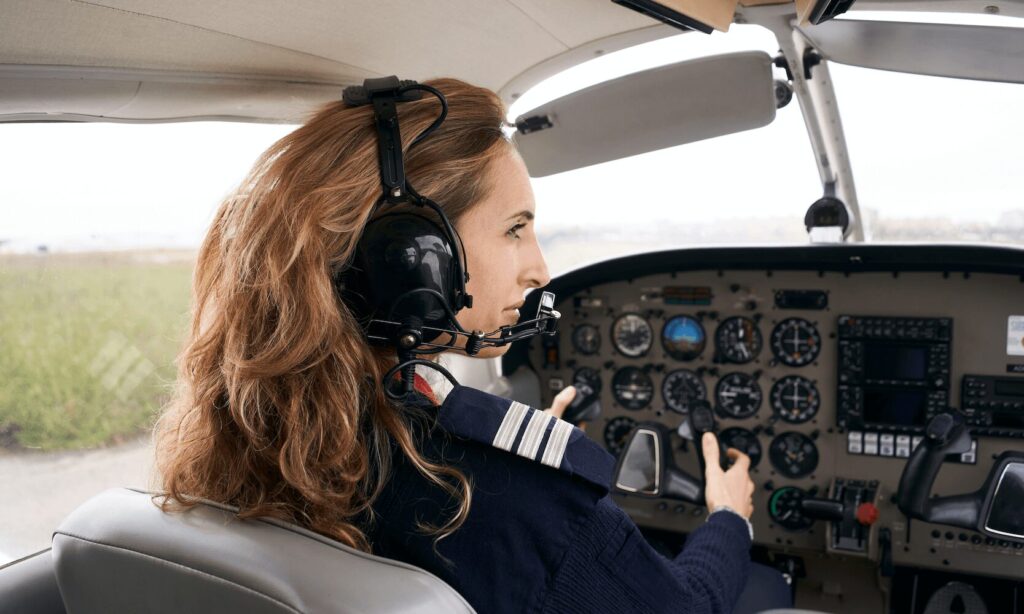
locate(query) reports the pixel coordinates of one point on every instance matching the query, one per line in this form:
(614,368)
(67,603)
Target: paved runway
(40,489)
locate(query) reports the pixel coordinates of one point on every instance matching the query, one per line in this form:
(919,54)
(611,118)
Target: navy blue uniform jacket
(543,535)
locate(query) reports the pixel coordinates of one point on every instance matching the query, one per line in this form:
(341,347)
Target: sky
(920,147)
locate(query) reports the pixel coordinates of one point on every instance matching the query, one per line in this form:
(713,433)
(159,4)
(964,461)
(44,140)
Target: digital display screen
(1009,388)
(1006,514)
(1008,419)
(902,407)
(902,362)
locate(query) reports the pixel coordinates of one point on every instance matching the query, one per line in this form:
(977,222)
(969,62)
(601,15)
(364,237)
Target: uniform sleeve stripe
(510,426)
(555,449)
(534,433)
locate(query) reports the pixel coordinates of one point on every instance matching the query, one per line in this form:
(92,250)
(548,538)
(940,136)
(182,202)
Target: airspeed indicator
(632,335)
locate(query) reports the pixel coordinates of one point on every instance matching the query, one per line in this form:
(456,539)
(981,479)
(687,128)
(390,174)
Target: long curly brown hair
(278,407)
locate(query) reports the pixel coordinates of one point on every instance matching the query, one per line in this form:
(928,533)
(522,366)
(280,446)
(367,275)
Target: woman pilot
(281,407)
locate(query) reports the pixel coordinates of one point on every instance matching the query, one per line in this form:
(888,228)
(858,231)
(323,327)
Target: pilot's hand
(732,487)
(561,401)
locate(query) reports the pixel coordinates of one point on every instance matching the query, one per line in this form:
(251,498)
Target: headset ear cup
(351,287)
(406,272)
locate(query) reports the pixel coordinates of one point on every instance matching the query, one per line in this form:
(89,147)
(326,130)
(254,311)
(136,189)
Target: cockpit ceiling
(316,40)
(297,54)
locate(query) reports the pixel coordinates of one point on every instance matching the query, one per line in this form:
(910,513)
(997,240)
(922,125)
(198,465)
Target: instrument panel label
(1015,335)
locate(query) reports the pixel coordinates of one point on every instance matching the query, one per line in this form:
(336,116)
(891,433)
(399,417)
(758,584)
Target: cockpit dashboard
(824,364)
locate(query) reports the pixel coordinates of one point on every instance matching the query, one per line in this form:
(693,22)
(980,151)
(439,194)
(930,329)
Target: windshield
(749,187)
(934,159)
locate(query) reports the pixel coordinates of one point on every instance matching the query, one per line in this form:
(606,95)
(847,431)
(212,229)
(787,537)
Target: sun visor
(988,53)
(647,111)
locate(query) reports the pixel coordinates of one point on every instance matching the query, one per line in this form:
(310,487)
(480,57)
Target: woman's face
(502,253)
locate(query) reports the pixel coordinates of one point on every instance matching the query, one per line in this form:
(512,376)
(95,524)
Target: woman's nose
(536,269)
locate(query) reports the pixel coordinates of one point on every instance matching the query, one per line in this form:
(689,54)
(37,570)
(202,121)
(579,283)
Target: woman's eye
(514,231)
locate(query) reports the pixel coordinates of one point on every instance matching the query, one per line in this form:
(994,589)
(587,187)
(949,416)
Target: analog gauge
(681,388)
(738,339)
(632,388)
(738,395)
(785,508)
(632,335)
(683,338)
(586,338)
(616,432)
(796,342)
(793,454)
(744,441)
(795,399)
(587,382)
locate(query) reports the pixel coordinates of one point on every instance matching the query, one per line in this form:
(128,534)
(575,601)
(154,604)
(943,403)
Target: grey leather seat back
(28,586)
(119,552)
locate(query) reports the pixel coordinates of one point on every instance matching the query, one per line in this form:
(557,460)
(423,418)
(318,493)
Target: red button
(867,514)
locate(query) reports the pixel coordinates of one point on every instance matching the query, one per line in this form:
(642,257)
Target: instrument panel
(824,375)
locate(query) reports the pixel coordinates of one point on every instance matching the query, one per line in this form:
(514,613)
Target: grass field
(87,344)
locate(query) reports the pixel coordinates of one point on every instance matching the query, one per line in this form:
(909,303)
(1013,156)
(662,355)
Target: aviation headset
(407,279)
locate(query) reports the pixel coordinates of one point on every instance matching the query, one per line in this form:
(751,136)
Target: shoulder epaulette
(520,429)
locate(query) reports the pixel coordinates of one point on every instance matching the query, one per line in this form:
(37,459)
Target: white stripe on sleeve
(555,449)
(534,434)
(506,434)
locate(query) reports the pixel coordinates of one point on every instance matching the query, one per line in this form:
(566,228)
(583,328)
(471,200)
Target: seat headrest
(118,552)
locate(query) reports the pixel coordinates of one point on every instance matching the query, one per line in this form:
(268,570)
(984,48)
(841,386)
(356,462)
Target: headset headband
(411,336)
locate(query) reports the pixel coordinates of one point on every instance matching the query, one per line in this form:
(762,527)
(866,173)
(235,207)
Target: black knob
(822,509)
(702,418)
(942,429)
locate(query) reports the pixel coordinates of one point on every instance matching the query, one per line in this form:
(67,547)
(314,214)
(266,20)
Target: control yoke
(995,509)
(647,465)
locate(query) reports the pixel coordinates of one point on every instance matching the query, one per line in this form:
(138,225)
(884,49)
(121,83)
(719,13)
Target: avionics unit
(893,372)
(993,405)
